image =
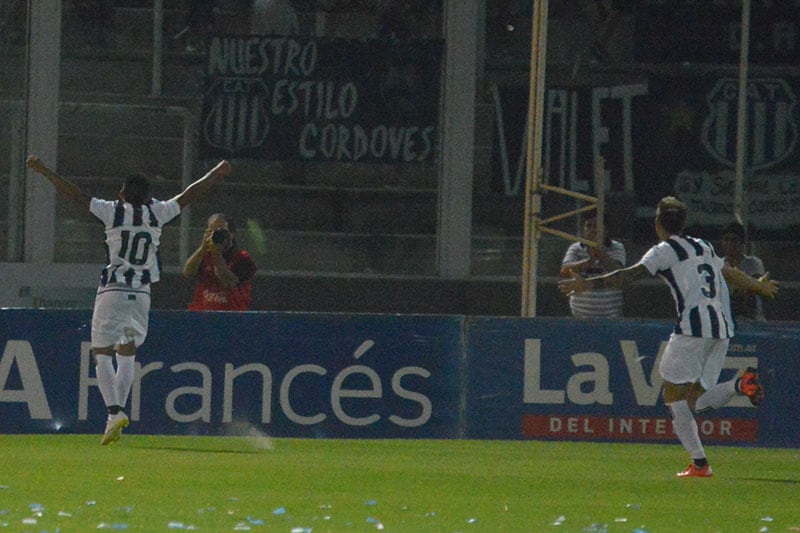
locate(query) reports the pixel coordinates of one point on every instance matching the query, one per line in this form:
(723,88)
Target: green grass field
(148,483)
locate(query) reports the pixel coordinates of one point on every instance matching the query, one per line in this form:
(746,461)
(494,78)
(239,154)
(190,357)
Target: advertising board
(598,380)
(284,374)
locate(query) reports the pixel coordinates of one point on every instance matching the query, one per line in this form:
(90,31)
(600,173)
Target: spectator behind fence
(592,261)
(224,273)
(745,304)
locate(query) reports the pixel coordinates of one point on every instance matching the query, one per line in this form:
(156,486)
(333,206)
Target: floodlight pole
(741,122)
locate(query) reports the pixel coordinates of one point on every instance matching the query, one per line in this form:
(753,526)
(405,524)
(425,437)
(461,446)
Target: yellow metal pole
(534,156)
(600,191)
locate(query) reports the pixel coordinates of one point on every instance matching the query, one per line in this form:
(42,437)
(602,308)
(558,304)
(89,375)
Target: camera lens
(220,236)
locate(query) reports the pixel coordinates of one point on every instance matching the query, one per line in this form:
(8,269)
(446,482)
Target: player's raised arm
(199,188)
(62,185)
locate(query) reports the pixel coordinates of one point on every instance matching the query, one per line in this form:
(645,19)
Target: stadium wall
(73,286)
(343,375)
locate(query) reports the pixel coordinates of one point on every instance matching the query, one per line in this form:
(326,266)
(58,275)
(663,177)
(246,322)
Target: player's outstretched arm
(618,279)
(199,188)
(764,285)
(62,185)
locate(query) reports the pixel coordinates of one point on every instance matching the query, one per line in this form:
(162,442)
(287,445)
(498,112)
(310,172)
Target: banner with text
(287,98)
(598,380)
(298,375)
(386,376)
(661,136)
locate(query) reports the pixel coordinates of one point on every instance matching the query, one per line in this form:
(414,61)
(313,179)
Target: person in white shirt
(591,261)
(133,225)
(695,352)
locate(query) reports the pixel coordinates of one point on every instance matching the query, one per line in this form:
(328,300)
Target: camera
(220,235)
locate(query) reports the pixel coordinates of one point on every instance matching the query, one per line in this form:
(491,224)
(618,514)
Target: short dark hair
(735,228)
(671,214)
(136,189)
(592,216)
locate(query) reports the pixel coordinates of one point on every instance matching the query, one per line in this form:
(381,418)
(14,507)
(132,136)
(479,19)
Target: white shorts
(120,316)
(693,359)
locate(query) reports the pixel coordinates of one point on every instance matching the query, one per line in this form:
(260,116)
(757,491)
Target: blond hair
(671,214)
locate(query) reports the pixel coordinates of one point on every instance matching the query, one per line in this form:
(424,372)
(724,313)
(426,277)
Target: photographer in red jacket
(224,273)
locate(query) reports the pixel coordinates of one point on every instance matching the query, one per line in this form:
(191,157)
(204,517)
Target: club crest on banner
(771,128)
(237,118)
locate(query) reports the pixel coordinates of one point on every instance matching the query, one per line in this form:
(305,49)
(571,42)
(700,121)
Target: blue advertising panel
(281,374)
(598,380)
(386,376)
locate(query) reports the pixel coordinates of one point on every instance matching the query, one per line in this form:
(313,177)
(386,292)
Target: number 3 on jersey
(707,274)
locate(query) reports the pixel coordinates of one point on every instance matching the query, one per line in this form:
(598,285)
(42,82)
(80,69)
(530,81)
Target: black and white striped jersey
(133,235)
(693,272)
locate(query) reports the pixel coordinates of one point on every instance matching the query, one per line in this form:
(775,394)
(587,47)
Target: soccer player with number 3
(133,225)
(695,353)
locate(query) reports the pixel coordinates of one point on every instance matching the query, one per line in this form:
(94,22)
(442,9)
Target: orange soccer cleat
(751,387)
(695,471)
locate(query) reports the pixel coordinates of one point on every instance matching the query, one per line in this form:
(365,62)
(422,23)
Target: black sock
(114,409)
(700,463)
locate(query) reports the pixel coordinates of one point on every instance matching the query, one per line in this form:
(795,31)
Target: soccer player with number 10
(133,225)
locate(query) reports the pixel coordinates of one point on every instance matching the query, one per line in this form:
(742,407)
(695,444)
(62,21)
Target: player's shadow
(772,480)
(194,450)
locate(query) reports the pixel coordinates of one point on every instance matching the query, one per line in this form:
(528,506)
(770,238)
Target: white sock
(717,396)
(686,428)
(105,379)
(124,377)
